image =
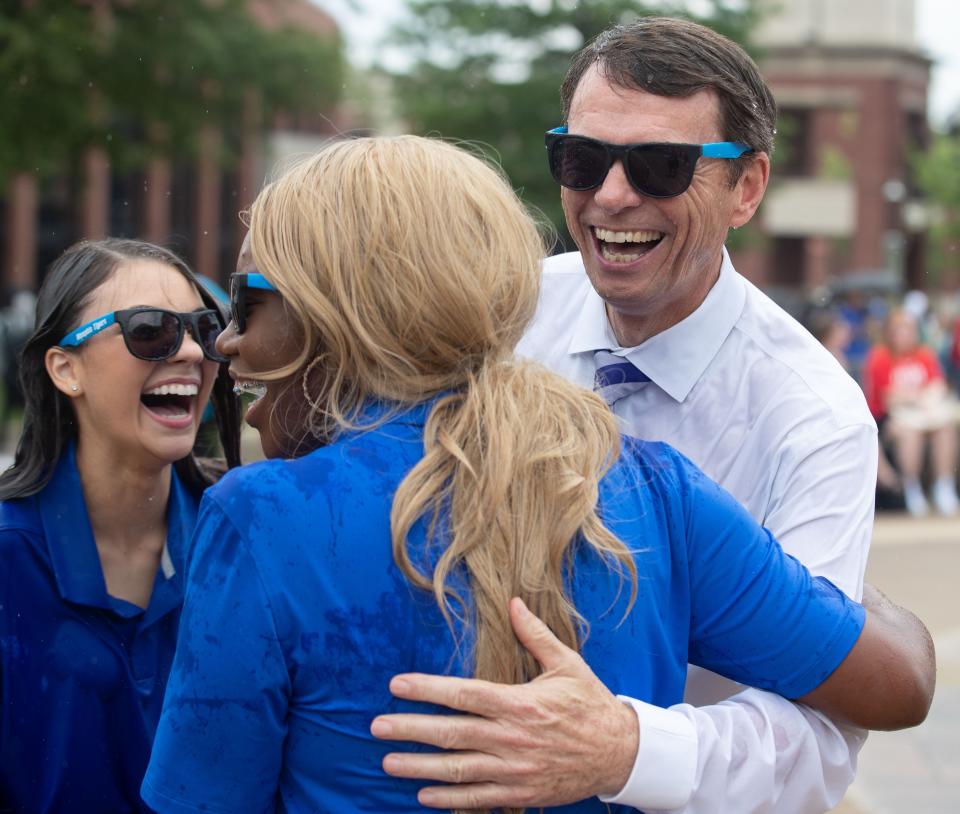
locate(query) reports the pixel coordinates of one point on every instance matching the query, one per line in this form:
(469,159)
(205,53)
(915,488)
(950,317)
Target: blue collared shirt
(82,673)
(296,617)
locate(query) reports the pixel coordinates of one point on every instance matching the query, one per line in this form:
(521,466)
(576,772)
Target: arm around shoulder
(888,678)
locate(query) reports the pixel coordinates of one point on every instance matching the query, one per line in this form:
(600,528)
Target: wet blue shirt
(82,673)
(296,618)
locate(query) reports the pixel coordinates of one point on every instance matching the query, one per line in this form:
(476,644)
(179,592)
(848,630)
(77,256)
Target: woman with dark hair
(96,513)
(421,477)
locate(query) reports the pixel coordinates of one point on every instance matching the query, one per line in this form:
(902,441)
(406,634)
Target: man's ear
(750,188)
(62,370)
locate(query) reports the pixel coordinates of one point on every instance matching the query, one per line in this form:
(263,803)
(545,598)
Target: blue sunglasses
(154,334)
(659,170)
(239,283)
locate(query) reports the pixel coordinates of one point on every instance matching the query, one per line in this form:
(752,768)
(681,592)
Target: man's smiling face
(652,260)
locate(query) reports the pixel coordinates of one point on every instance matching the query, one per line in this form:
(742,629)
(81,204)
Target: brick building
(188,205)
(851,85)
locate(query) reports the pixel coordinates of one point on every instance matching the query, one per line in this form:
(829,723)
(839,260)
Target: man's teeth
(174,390)
(606,237)
(640,236)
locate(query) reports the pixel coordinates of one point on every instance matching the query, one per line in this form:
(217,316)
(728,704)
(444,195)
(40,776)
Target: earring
(314,403)
(74,387)
(237,390)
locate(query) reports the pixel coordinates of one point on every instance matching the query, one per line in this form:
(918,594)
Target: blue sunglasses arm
(716,149)
(723,149)
(259,281)
(80,335)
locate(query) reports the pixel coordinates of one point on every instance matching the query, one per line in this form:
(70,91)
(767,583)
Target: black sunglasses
(656,170)
(155,334)
(239,283)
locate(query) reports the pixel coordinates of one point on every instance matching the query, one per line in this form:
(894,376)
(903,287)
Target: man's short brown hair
(667,56)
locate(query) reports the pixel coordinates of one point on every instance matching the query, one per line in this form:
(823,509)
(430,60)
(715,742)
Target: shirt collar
(73,551)
(384,413)
(676,358)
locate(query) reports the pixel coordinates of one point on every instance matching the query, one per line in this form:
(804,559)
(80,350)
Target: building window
(788,260)
(918,140)
(793,151)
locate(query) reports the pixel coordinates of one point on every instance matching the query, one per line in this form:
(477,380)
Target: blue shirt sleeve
(757,615)
(220,740)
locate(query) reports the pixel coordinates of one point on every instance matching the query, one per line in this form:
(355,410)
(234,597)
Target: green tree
(47,57)
(937,173)
(73,73)
(489,71)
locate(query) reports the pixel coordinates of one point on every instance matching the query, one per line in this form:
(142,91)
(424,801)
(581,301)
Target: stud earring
(74,387)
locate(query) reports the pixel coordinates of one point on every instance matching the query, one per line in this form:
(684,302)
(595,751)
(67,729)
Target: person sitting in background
(953,351)
(95,516)
(907,393)
(833,332)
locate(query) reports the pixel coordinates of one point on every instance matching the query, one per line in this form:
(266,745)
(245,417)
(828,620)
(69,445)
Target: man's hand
(557,739)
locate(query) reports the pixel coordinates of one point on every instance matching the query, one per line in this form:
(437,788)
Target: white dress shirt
(755,401)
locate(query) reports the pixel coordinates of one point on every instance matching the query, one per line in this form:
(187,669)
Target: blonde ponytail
(514,461)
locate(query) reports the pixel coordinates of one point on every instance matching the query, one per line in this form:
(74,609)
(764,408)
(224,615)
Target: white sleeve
(798,761)
(756,751)
(693,760)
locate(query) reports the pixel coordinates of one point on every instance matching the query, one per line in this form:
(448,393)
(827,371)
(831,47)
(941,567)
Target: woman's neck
(127,503)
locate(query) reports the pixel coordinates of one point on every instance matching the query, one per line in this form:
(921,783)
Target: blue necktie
(616,377)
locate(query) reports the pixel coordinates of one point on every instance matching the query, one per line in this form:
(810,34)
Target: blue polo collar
(388,413)
(73,551)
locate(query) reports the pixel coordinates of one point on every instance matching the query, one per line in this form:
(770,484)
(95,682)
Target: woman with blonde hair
(420,477)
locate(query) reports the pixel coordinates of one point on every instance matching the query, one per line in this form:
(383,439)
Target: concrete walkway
(917,771)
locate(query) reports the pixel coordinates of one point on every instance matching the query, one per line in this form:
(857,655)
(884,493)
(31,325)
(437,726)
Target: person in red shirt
(908,395)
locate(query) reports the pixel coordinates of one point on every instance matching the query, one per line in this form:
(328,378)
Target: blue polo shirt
(296,618)
(82,673)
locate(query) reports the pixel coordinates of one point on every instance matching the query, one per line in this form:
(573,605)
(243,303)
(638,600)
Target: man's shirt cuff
(666,765)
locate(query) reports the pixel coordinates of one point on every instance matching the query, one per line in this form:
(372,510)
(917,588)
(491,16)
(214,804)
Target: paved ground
(917,564)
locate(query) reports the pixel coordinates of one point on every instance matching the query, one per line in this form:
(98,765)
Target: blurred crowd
(904,351)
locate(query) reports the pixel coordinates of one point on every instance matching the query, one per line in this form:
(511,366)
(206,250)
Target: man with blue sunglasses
(666,146)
